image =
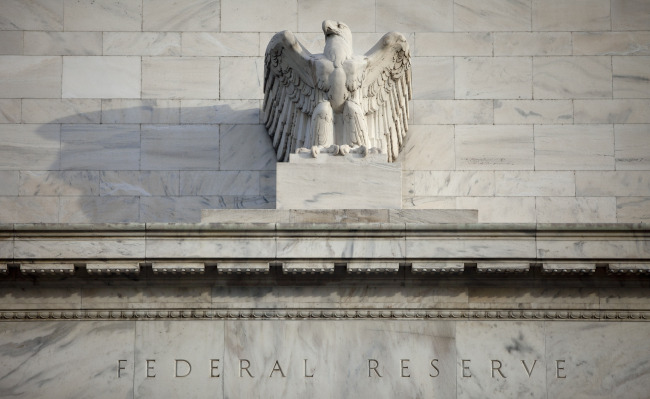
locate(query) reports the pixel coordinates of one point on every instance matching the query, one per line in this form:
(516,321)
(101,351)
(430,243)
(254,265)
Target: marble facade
(498,85)
(151,246)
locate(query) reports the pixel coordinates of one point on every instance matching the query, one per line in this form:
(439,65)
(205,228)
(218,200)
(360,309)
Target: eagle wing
(290,94)
(386,91)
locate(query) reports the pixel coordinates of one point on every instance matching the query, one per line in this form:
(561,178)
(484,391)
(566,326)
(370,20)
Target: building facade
(142,254)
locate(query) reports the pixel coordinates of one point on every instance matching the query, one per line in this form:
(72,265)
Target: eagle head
(337,28)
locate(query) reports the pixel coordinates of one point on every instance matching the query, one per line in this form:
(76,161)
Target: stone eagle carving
(336,102)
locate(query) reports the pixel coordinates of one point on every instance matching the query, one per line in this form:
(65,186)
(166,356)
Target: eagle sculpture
(336,102)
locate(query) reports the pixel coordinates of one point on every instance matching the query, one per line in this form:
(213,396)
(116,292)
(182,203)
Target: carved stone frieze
(341,314)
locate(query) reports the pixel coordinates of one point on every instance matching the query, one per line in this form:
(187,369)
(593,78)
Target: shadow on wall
(98,167)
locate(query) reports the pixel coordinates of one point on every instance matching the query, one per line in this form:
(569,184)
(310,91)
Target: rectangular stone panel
(100,147)
(102,15)
(10,110)
(140,111)
(11,43)
(142,43)
(532,43)
(630,15)
(572,77)
(61,110)
(356,14)
(251,16)
(101,77)
(67,359)
(448,247)
(633,209)
(414,16)
(370,359)
(632,145)
(218,111)
(452,112)
(493,77)
(241,78)
(180,78)
(30,146)
(9,182)
(131,248)
(70,183)
(494,147)
(433,78)
(178,372)
(492,15)
(574,147)
(597,373)
(620,183)
(189,15)
(508,367)
(219,183)
(611,43)
(221,44)
(245,147)
(440,44)
(536,112)
(429,147)
(31,15)
(340,247)
(322,186)
(142,183)
(63,43)
(92,209)
(30,77)
(534,183)
(227,248)
(500,209)
(576,210)
(29,209)
(612,111)
(631,77)
(449,183)
(180,147)
(574,15)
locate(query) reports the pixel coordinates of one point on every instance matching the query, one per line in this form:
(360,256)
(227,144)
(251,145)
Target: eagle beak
(329,27)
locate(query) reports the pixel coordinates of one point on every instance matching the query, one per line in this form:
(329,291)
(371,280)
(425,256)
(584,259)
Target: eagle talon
(344,149)
(334,149)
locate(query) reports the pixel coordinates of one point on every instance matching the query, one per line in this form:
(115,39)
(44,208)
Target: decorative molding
(338,314)
(315,266)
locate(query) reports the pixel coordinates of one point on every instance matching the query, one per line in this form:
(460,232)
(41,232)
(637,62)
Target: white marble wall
(117,111)
(324,359)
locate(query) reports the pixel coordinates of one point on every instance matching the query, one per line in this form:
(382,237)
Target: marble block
(64,359)
(101,77)
(333,182)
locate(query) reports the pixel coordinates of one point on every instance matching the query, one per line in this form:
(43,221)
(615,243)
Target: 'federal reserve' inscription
(495,368)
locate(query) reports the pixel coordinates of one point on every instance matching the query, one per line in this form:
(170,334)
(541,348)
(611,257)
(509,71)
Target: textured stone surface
(332,185)
(449,358)
(101,77)
(484,73)
(30,77)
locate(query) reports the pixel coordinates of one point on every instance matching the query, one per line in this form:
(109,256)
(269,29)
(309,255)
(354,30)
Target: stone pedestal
(338,182)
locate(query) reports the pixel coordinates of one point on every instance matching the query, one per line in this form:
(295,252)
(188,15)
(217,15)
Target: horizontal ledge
(145,228)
